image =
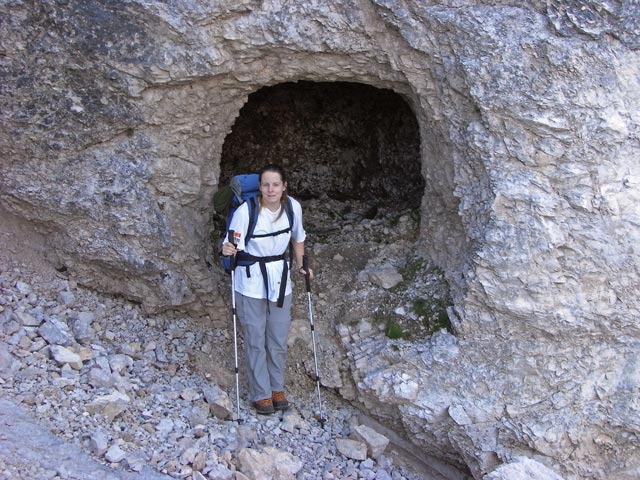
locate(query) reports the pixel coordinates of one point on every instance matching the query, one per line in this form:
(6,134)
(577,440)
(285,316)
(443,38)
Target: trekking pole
(231,239)
(307,277)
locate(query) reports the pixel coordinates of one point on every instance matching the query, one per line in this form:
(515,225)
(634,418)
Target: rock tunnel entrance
(352,155)
(344,141)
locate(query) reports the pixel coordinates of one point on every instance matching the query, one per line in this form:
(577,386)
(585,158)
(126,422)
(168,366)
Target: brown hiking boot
(279,401)
(264,406)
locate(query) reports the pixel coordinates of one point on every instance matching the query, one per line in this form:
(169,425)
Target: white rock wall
(113,119)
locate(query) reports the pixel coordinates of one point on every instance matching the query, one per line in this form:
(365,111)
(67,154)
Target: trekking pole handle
(232,239)
(307,274)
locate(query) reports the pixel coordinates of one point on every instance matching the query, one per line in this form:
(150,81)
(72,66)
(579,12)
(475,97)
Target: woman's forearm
(298,250)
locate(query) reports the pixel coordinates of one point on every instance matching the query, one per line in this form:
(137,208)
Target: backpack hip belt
(262,261)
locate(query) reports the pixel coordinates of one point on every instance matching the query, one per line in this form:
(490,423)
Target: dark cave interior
(348,141)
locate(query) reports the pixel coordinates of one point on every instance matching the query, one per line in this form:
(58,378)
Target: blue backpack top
(246,188)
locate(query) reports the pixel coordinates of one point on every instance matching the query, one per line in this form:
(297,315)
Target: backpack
(241,189)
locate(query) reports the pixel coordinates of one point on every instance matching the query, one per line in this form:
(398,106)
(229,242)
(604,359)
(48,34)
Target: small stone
(198,415)
(8,363)
(86,317)
(103,363)
(26,319)
(382,475)
(246,435)
(55,332)
(219,402)
(188,455)
(37,344)
(68,372)
(85,353)
(115,454)
(98,378)
(99,442)
(23,288)
(221,472)
(161,356)
(165,426)
(81,327)
(367,464)
(63,355)
(119,363)
(199,462)
(375,442)
(189,394)
(269,463)
(351,448)
(110,405)
(24,343)
(291,421)
(386,278)
(66,297)
(134,463)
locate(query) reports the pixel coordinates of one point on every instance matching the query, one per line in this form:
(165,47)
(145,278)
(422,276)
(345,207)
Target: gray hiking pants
(265,343)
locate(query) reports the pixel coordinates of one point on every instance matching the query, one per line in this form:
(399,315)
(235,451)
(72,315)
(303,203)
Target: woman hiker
(263,289)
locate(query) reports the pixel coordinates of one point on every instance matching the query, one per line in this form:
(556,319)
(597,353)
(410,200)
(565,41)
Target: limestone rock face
(113,119)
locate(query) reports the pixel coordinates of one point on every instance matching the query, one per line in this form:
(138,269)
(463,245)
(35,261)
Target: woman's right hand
(229,249)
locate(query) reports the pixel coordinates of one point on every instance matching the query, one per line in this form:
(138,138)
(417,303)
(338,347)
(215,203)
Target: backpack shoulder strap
(289,209)
(252,203)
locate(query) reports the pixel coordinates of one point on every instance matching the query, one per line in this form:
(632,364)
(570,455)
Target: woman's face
(271,188)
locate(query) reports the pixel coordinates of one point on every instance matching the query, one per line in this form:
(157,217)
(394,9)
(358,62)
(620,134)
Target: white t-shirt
(253,286)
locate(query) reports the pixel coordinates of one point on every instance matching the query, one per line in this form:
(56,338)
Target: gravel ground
(93,387)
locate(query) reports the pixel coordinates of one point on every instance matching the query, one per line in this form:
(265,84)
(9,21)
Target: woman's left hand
(302,271)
